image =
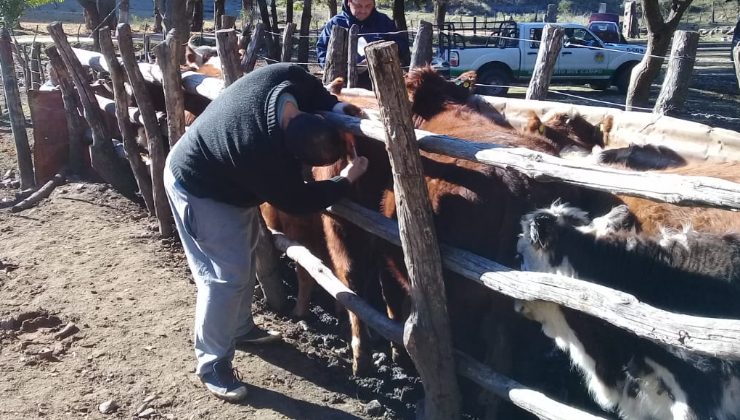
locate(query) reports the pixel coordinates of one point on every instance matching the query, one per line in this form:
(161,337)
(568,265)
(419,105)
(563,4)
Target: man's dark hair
(312,140)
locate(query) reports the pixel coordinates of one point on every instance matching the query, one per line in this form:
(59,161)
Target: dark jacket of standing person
(235,152)
(370,29)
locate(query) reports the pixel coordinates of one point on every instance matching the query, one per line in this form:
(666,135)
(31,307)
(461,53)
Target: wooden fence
(713,337)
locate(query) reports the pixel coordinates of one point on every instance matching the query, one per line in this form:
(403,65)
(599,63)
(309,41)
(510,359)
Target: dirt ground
(90,257)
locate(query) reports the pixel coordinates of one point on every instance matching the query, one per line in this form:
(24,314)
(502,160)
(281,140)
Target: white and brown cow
(686,272)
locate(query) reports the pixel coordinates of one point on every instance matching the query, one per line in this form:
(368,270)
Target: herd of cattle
(681,259)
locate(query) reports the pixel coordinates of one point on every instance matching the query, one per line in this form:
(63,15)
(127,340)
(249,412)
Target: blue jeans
(219,241)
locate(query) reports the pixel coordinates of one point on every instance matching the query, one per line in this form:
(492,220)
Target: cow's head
(568,129)
(429,92)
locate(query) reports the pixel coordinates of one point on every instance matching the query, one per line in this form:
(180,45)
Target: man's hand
(349,109)
(354,170)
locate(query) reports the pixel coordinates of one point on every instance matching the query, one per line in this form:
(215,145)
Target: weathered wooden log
(544,66)
(219,9)
(305,28)
(677,80)
(134,114)
(267,264)
(250,57)
(228,22)
(528,399)
(195,8)
(37,73)
(336,55)
(631,28)
(287,51)
(675,189)
(128,131)
(123,11)
(103,157)
(174,100)
(552,13)
(708,336)
(157,18)
(427,336)
(15,111)
(75,127)
(21,56)
(192,82)
(354,30)
(422,54)
(40,194)
(226,42)
(272,48)
(156,145)
(736,60)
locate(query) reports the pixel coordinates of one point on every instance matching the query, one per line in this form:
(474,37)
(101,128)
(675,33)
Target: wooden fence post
(336,55)
(103,157)
(123,11)
(128,132)
(287,42)
(552,13)
(427,331)
(631,26)
(422,54)
(227,50)
(551,42)
(228,22)
(250,57)
(15,111)
(169,62)
(60,76)
(272,49)
(736,59)
(219,8)
(305,30)
(151,127)
(678,77)
(352,56)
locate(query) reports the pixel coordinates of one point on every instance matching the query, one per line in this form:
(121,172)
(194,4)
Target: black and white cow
(687,272)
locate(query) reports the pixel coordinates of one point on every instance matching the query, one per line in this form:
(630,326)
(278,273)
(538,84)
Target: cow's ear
(622,219)
(542,230)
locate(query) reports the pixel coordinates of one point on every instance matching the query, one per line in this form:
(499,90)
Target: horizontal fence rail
(502,386)
(708,336)
(676,189)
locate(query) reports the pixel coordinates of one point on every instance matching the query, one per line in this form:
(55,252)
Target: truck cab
(506,53)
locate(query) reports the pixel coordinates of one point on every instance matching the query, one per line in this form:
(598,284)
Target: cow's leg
(347,267)
(306,285)
(398,305)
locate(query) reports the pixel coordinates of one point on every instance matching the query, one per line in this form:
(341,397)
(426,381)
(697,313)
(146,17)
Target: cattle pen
(707,336)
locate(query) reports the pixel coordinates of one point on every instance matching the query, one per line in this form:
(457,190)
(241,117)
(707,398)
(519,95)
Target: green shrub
(11,10)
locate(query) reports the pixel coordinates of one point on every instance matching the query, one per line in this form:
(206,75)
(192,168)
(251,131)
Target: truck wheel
(599,84)
(622,80)
(497,77)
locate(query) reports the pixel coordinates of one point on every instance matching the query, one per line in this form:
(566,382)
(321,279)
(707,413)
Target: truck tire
(493,76)
(622,78)
(600,84)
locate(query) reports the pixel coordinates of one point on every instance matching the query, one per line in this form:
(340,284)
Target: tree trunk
(399,15)
(15,110)
(552,13)
(305,28)
(197,15)
(422,54)
(92,17)
(440,10)
(179,22)
(660,32)
(275,29)
(157,17)
(272,49)
(289,11)
(736,59)
(219,8)
(680,68)
(332,7)
(123,11)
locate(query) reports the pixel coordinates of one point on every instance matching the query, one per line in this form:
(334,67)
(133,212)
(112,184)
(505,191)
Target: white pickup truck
(505,52)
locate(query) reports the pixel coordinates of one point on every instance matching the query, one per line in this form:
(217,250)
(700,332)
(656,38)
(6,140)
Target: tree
(11,10)
(660,32)
(399,15)
(440,10)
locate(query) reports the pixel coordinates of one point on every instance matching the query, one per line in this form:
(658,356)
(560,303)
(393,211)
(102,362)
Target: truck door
(581,55)
(531,47)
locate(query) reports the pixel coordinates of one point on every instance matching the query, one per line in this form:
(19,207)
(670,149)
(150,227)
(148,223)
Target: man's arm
(323,43)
